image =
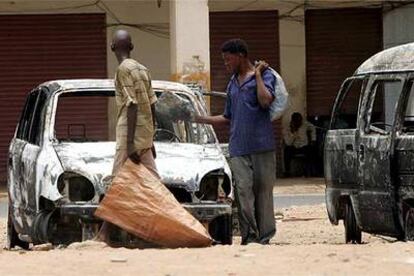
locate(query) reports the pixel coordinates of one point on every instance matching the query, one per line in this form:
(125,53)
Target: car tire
(221,230)
(409,225)
(352,232)
(12,236)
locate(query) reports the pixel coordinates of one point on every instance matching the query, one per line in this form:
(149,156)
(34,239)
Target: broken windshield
(90,116)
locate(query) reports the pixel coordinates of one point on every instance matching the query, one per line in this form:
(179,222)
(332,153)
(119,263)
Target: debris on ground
(87,245)
(43,247)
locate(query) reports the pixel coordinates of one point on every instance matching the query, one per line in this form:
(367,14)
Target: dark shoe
(249,239)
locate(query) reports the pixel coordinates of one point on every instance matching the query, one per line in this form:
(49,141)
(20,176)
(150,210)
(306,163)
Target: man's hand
(132,153)
(260,66)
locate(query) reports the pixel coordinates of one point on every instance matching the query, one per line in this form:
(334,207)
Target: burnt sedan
(61,157)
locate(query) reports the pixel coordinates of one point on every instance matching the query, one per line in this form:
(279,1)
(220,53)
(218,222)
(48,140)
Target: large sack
(140,204)
(280,103)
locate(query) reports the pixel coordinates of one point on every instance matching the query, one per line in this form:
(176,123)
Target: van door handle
(349,147)
(10,161)
(361,153)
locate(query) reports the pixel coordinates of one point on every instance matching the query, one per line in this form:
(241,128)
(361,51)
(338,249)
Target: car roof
(395,59)
(107,84)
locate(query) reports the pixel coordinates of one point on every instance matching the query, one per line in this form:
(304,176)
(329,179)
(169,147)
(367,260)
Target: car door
(404,151)
(30,154)
(340,157)
(375,207)
(16,181)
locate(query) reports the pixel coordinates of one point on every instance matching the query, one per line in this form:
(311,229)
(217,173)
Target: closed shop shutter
(337,42)
(260,29)
(38,48)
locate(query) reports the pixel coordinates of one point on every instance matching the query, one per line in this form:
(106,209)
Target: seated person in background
(299,138)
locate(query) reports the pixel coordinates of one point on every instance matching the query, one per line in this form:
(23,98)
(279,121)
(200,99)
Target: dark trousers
(307,151)
(254,176)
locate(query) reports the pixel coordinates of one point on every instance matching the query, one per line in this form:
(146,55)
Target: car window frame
(35,132)
(369,99)
(403,102)
(340,99)
(26,117)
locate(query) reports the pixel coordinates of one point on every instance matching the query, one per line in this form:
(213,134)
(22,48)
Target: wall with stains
(189,32)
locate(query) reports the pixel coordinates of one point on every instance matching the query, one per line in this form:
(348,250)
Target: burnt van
(369,148)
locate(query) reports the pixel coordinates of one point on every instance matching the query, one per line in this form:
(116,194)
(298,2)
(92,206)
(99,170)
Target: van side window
(382,105)
(346,112)
(408,119)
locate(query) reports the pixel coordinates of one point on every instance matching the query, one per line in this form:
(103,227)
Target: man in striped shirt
(135,101)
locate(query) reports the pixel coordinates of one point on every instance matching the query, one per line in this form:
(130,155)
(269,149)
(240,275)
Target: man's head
(234,52)
(296,119)
(121,43)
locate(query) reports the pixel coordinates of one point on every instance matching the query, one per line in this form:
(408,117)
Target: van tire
(12,236)
(352,232)
(409,225)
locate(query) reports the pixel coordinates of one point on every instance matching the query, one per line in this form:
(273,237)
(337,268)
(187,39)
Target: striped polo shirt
(133,86)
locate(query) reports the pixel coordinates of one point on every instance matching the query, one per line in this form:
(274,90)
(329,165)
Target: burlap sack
(140,204)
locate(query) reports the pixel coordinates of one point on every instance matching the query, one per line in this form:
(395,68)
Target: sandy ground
(306,243)
(299,185)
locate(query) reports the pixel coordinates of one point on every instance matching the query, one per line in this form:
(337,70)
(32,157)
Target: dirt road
(306,243)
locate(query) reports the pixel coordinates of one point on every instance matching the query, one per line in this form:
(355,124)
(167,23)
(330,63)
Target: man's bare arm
(264,97)
(212,120)
(132,111)
(154,124)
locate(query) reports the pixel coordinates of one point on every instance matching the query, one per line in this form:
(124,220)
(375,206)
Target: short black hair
(235,46)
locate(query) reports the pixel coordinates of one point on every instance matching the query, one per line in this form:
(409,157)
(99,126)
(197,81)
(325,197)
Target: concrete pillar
(189,38)
(293,64)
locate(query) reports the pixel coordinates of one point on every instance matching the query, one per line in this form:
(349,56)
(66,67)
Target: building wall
(399,26)
(154,51)
(292,46)
(151,50)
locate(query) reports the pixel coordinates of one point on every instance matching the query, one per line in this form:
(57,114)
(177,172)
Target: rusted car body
(55,183)
(369,163)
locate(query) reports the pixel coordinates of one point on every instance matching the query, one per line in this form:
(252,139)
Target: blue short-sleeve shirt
(251,129)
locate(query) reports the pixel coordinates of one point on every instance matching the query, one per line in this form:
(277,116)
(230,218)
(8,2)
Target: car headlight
(75,187)
(213,186)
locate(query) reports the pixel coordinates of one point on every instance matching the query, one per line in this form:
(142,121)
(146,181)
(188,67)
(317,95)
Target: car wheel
(409,225)
(221,229)
(352,232)
(12,236)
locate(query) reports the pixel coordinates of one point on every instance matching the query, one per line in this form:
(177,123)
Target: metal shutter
(337,42)
(260,29)
(37,48)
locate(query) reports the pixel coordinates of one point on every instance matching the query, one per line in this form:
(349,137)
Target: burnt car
(369,148)
(61,158)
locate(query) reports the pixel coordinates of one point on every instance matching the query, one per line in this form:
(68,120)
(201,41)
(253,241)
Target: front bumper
(203,212)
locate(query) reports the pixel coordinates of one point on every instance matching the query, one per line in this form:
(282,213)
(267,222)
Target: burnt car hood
(179,165)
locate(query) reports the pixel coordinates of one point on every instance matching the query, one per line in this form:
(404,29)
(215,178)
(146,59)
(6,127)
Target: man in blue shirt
(250,92)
